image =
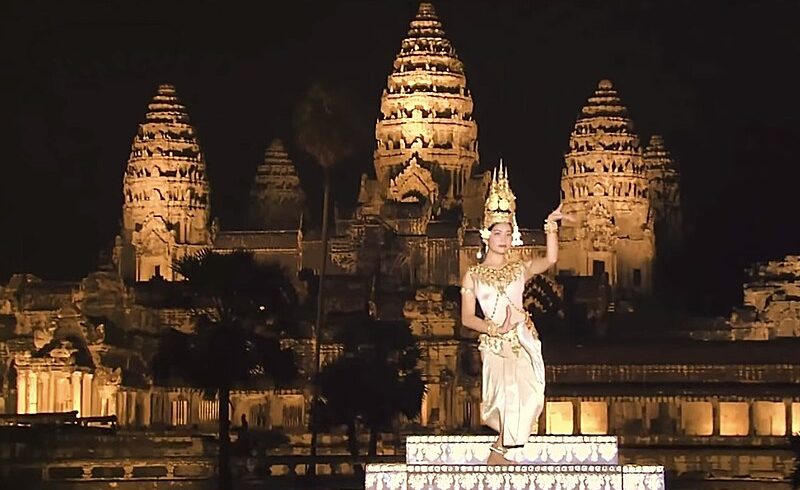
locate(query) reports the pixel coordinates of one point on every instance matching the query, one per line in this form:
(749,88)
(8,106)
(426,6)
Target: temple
(663,184)
(277,201)
(604,182)
(690,396)
(426,136)
(166,208)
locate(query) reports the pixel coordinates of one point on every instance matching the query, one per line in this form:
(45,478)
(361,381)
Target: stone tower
(165,213)
(426,136)
(663,183)
(604,182)
(277,200)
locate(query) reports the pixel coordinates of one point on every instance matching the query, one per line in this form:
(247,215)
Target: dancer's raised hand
(557,215)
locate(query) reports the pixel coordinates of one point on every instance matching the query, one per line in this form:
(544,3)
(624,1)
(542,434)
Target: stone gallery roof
(257,240)
(663,351)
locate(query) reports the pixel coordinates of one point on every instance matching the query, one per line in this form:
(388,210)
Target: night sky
(718,79)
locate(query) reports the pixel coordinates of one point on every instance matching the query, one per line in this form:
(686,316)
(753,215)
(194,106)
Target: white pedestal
(546,462)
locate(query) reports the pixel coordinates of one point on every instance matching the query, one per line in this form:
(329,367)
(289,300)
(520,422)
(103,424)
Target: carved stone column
(33,392)
(576,416)
(86,391)
(77,404)
(51,402)
(44,405)
(121,413)
(112,400)
(423,411)
(59,392)
(22,392)
(715,415)
(131,403)
(146,397)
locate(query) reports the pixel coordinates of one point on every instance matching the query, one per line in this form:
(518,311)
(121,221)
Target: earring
(484,244)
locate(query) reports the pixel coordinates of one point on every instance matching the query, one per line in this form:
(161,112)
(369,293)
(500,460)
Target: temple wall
(717,417)
(441,262)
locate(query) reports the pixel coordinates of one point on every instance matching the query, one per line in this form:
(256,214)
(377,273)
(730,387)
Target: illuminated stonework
(663,185)
(545,462)
(277,200)
(604,182)
(434,450)
(771,306)
(426,115)
(522,477)
(436,462)
(165,213)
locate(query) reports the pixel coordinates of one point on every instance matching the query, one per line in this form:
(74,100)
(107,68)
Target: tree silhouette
(373,382)
(324,128)
(240,307)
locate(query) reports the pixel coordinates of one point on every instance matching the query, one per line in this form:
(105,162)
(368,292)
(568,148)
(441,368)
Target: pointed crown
(501,205)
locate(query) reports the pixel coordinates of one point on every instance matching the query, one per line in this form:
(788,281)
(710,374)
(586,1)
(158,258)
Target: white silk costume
(513,370)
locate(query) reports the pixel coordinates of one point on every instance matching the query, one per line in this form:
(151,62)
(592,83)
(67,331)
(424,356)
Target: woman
(513,370)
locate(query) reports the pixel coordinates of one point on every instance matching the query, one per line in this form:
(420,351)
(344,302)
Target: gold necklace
(499,277)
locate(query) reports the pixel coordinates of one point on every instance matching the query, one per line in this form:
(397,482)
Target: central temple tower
(426,137)
(604,182)
(165,212)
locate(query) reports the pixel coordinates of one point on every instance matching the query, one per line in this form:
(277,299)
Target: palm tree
(374,381)
(240,306)
(324,129)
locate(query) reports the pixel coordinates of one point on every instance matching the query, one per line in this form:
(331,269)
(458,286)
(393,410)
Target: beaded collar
(499,277)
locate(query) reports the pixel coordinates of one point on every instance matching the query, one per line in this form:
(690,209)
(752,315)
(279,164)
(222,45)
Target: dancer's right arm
(468,317)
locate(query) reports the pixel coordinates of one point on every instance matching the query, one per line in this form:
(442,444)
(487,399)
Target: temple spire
(276,199)
(166,207)
(663,179)
(426,110)
(605,185)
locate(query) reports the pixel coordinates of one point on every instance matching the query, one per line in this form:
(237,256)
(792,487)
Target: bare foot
(496,457)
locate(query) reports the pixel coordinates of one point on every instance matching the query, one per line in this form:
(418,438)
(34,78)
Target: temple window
(697,418)
(594,418)
(292,417)
(559,417)
(769,418)
(208,411)
(179,412)
(734,419)
(259,415)
(796,418)
(598,268)
(467,414)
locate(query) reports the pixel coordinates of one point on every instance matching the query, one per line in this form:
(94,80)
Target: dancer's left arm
(541,264)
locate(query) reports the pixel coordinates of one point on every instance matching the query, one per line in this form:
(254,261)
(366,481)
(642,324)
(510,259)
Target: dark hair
(485,243)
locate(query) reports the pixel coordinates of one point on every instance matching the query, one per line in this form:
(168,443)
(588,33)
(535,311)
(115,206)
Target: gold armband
(550,227)
(467,290)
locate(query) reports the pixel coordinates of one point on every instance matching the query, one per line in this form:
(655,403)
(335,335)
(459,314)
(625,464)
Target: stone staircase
(545,462)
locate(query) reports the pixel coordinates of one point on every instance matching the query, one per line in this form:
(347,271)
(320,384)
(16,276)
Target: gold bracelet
(492,329)
(550,227)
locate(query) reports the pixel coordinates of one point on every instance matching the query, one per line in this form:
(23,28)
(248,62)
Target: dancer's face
(500,238)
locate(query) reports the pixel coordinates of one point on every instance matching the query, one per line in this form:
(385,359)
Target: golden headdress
(501,206)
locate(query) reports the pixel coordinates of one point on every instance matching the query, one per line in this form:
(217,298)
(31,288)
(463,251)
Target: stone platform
(540,450)
(546,462)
